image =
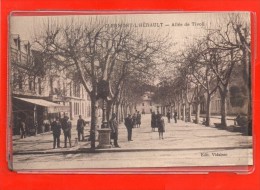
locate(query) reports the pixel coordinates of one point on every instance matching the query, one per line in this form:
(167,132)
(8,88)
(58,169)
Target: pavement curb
(89,150)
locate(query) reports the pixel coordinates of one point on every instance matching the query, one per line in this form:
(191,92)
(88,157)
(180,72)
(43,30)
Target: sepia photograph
(129,91)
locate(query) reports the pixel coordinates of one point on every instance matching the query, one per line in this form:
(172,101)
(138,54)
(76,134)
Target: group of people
(65,125)
(157,121)
(131,121)
(168,115)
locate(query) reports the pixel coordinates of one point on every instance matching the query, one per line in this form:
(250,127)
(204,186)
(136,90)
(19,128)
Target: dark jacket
(153,120)
(56,127)
(80,124)
(128,122)
(138,118)
(114,126)
(66,126)
(22,126)
(161,125)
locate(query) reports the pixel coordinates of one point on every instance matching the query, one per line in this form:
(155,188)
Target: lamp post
(104,115)
(104,132)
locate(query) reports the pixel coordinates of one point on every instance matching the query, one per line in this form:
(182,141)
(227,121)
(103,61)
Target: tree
(97,53)
(198,61)
(230,48)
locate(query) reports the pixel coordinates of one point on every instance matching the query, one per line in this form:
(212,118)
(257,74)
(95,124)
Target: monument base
(104,138)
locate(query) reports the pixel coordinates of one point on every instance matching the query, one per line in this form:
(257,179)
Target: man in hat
(129,126)
(56,129)
(22,127)
(66,127)
(114,129)
(80,127)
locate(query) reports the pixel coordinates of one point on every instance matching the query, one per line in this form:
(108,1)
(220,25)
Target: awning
(51,107)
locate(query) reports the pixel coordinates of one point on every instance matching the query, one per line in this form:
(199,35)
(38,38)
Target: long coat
(138,119)
(153,121)
(114,128)
(161,125)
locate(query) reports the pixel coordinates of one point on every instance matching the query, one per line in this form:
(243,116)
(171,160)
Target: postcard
(130,91)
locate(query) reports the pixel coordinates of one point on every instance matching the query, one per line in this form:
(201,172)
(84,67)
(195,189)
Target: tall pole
(104,115)
(35,119)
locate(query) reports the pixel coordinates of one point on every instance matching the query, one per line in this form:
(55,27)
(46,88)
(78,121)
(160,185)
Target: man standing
(175,116)
(138,119)
(169,116)
(80,127)
(161,126)
(22,128)
(158,116)
(56,130)
(153,121)
(129,126)
(66,127)
(114,129)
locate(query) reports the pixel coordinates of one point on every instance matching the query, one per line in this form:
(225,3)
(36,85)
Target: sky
(181,27)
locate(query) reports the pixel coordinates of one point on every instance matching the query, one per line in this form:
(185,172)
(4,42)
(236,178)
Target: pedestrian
(175,116)
(22,127)
(168,116)
(134,120)
(47,125)
(114,129)
(161,126)
(56,130)
(35,127)
(138,119)
(80,127)
(158,115)
(129,126)
(153,121)
(66,127)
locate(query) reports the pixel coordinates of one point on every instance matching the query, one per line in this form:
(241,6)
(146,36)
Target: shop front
(36,113)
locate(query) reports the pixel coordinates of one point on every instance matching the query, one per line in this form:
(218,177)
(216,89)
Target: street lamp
(104,132)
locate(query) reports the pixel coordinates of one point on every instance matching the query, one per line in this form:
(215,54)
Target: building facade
(146,105)
(37,94)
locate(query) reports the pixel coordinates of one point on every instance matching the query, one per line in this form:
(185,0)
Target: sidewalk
(180,136)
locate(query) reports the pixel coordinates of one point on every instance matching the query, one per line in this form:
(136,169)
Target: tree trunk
(197,113)
(223,95)
(208,110)
(94,116)
(131,107)
(246,60)
(122,113)
(189,116)
(109,109)
(179,111)
(125,109)
(117,112)
(183,112)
